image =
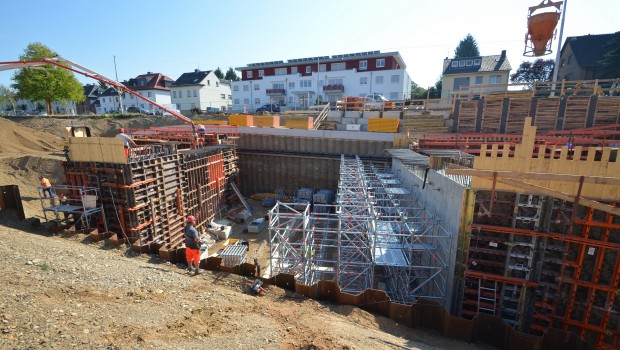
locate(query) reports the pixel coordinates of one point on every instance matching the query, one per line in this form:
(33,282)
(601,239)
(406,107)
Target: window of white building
(248,74)
(395,78)
(363,65)
(236,101)
(478,80)
(495,79)
(380,62)
(150,94)
(322,67)
(246,88)
(261,73)
(257,101)
(280,71)
(236,88)
(339,66)
(223,96)
(305,83)
(379,79)
(189,93)
(174,94)
(293,70)
(363,80)
(195,93)
(256,87)
(291,85)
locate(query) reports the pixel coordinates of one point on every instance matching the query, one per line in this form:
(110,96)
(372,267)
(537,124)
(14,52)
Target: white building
(303,82)
(108,101)
(202,90)
(153,86)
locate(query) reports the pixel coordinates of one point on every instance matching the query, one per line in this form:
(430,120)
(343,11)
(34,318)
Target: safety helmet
(121,130)
(191,218)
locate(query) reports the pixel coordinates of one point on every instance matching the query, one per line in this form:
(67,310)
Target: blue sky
(172,37)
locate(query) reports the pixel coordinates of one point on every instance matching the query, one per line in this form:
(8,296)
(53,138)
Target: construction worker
(192,246)
(257,274)
(47,186)
(127,141)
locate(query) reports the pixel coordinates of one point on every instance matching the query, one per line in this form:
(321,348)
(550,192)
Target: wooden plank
(534,176)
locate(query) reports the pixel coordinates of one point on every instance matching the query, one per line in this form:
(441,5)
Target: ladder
(238,193)
(486,304)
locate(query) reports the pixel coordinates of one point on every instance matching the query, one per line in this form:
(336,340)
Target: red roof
(149,81)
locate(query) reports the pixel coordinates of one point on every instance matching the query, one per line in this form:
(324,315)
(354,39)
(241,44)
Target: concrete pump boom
(76,68)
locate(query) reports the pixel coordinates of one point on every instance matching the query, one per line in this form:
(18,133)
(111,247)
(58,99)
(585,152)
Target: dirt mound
(98,125)
(18,140)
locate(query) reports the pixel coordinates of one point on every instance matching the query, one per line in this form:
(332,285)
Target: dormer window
(455,64)
(462,63)
(470,63)
(477,61)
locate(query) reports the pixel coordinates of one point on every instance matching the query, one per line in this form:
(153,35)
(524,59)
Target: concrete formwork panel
(372,114)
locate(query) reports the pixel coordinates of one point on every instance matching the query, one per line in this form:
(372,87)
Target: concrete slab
(372,114)
(352,114)
(391,114)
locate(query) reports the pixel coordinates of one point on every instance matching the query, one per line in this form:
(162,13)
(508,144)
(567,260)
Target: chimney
(149,72)
(196,70)
(503,56)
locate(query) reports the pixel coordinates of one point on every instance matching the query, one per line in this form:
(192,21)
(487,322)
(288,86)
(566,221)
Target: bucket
(89,201)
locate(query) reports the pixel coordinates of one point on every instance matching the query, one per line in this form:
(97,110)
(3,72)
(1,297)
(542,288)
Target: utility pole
(120,99)
(556,66)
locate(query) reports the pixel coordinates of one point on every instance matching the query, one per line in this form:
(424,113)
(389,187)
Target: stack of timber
(506,115)
(383,125)
(267,121)
(424,123)
(241,120)
(147,194)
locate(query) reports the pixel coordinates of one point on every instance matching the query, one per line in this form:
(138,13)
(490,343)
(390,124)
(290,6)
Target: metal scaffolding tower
(375,236)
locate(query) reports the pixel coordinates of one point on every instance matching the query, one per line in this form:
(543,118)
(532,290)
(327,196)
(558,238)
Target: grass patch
(44,267)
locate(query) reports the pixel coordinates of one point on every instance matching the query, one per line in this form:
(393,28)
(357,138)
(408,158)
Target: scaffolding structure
(78,205)
(375,236)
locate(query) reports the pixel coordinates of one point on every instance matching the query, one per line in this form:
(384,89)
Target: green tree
(435,91)
(48,84)
(611,60)
(537,71)
(8,97)
(103,86)
(218,73)
(417,92)
(467,48)
(231,75)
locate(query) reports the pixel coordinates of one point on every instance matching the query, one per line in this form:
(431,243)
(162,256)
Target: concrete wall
(446,204)
(266,172)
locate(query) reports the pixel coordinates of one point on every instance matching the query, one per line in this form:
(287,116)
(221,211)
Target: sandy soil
(69,292)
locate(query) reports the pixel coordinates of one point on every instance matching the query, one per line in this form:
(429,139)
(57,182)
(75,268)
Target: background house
(202,90)
(154,86)
(581,56)
(89,105)
(475,71)
(108,101)
(302,82)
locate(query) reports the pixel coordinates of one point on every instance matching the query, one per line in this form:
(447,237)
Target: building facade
(304,82)
(153,86)
(475,74)
(201,90)
(582,57)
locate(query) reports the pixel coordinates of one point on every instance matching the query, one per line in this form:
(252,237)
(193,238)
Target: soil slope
(71,293)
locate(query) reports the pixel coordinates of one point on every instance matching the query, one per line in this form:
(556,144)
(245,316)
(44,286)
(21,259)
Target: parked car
(141,110)
(20,112)
(268,108)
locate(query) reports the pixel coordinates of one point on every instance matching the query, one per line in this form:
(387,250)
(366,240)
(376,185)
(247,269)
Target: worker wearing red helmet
(192,246)
(127,141)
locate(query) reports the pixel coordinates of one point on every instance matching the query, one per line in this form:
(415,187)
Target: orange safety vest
(45,182)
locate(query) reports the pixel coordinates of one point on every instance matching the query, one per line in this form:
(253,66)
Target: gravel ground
(68,292)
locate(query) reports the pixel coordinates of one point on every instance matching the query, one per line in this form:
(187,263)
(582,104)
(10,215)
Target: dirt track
(69,292)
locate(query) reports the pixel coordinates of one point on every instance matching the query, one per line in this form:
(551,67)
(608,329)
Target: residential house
(89,105)
(302,82)
(479,74)
(108,101)
(153,86)
(201,90)
(581,56)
